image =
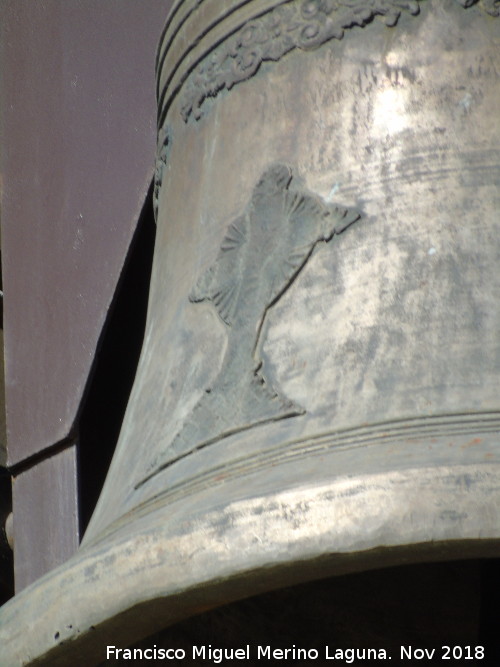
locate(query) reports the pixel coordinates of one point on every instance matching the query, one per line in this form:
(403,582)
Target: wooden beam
(45,509)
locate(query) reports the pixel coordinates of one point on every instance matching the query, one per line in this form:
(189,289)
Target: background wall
(78,136)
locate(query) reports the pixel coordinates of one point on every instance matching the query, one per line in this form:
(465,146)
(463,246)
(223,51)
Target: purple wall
(78,146)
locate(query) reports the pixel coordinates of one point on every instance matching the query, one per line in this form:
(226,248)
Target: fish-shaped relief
(261,255)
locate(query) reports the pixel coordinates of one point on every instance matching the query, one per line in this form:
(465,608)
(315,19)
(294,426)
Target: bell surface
(318,391)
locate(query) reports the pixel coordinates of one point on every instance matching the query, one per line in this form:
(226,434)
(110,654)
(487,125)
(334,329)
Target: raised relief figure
(262,253)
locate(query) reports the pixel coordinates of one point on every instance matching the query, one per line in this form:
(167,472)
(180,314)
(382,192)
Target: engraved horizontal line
(193,43)
(437,153)
(467,163)
(196,9)
(425,176)
(169,22)
(164,106)
(206,443)
(408,430)
(167,41)
(164,43)
(354,438)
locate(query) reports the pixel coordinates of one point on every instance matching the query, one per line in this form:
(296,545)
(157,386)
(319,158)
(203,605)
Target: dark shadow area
(489,634)
(424,606)
(6,557)
(115,366)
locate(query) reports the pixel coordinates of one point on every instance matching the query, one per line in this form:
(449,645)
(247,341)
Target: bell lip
(118,592)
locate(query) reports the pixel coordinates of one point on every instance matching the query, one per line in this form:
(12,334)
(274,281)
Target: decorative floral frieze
(302,24)
(492,7)
(163,150)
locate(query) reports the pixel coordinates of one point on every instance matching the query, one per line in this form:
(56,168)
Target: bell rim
(124,589)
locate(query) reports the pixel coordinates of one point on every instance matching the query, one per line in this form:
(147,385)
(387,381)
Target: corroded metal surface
(243,284)
(151,574)
(382,352)
(388,335)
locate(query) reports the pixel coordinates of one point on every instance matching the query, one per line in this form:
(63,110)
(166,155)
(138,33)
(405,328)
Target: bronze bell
(318,391)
